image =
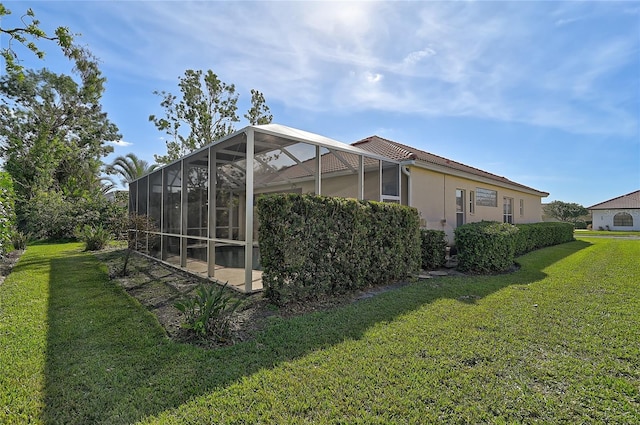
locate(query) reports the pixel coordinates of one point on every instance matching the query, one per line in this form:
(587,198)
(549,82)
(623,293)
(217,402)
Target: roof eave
(612,208)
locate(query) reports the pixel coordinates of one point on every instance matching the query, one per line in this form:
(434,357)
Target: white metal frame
(269,134)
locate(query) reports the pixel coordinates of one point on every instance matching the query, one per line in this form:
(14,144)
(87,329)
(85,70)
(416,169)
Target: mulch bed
(158,286)
(8,262)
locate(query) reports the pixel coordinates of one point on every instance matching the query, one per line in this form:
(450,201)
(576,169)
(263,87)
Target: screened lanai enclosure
(200,208)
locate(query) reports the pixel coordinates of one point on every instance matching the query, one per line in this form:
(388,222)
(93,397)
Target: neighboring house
(204,219)
(621,213)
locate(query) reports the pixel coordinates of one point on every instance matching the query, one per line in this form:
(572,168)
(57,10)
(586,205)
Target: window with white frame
(521,207)
(459,207)
(507,208)
(390,182)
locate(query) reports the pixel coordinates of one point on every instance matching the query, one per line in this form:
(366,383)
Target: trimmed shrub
(316,245)
(433,248)
(7,212)
(533,236)
(486,247)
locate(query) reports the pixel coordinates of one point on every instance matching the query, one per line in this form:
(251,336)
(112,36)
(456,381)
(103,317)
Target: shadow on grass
(108,360)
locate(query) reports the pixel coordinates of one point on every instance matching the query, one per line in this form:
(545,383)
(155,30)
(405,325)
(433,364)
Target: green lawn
(612,233)
(557,341)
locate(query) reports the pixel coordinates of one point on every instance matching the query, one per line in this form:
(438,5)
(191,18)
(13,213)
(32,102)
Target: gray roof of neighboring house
(401,152)
(628,201)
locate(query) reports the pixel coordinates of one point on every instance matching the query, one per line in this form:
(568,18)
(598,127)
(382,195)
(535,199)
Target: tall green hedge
(538,235)
(315,245)
(433,248)
(487,247)
(7,211)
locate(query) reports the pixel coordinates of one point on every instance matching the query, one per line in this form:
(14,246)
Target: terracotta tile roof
(401,152)
(628,201)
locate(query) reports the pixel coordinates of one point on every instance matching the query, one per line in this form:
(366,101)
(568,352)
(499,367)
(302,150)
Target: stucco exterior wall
(434,195)
(603,218)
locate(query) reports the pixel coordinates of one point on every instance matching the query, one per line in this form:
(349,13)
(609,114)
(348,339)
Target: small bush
(208,311)
(95,238)
(19,240)
(486,247)
(433,248)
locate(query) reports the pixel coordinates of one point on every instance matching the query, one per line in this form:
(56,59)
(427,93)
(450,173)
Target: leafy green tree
(565,211)
(53,132)
(205,112)
(259,113)
(27,34)
(130,167)
(53,135)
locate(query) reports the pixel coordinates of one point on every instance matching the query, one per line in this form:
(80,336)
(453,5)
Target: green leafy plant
(95,238)
(433,248)
(208,310)
(19,240)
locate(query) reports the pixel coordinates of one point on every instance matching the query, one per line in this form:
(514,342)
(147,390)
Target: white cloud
(567,21)
(121,143)
(417,56)
(373,77)
(503,61)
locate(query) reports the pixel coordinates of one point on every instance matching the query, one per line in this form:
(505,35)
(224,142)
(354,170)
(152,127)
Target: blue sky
(544,93)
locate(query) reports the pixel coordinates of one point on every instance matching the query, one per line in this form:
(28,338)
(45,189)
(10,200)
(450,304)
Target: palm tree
(130,167)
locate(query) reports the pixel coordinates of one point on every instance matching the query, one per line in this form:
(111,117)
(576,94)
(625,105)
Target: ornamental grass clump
(208,311)
(95,238)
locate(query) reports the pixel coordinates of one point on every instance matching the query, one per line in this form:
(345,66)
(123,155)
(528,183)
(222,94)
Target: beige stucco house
(201,207)
(448,194)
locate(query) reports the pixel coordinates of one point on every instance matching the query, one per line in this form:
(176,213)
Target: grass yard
(608,233)
(558,341)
